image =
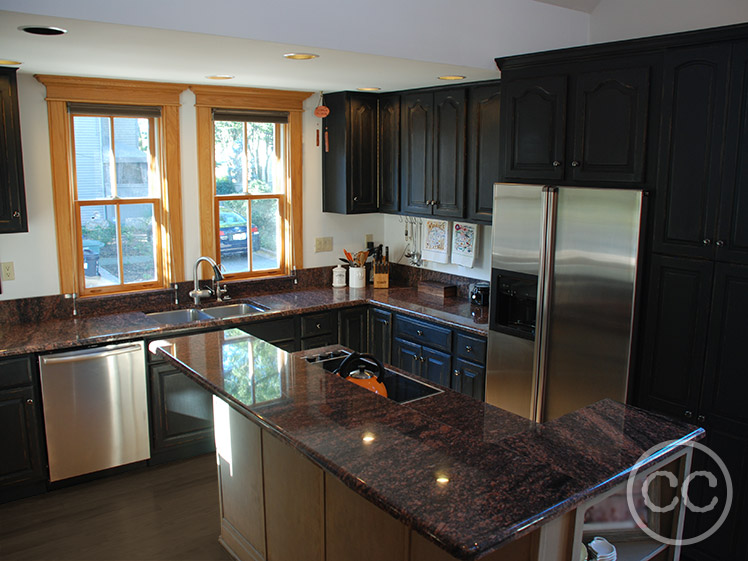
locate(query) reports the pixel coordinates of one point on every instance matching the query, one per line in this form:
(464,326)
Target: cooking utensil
(361,370)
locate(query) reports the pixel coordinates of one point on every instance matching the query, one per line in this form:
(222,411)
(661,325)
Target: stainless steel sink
(179,316)
(234,310)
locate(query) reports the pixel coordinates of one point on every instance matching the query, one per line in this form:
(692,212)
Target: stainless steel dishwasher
(95,409)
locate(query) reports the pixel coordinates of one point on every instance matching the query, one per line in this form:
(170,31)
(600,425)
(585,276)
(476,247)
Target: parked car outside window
(233,233)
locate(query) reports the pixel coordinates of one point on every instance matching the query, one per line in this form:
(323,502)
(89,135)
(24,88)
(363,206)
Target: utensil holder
(357,277)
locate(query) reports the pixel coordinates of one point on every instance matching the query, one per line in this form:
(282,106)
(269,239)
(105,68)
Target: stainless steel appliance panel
(516,227)
(95,409)
(509,368)
(590,292)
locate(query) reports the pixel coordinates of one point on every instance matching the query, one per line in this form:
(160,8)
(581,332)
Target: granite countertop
(507,475)
(58,334)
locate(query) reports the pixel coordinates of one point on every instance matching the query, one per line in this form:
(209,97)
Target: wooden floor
(168,512)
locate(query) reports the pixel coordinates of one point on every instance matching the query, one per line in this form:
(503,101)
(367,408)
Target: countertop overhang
(506,475)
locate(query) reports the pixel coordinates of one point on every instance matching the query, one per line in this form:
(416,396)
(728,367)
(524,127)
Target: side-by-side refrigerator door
(515,263)
(590,278)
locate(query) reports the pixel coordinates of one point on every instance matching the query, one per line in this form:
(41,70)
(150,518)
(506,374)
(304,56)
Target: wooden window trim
(219,97)
(64,89)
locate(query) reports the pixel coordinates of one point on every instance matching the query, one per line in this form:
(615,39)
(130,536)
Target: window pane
(138,243)
(131,153)
(93,157)
(229,154)
(261,158)
(99,240)
(266,236)
(232,232)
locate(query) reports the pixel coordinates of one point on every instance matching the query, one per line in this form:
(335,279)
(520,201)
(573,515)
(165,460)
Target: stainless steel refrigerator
(563,285)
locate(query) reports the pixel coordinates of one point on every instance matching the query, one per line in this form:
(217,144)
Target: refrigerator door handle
(545,282)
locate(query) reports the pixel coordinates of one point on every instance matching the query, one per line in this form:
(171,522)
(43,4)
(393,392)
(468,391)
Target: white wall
(625,19)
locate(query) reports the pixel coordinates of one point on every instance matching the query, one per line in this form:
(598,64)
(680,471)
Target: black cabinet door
(389,153)
(732,233)
(483,169)
(181,415)
(380,329)
(691,141)
(609,125)
(283,333)
(349,155)
(725,383)
(534,128)
(416,154)
(353,329)
(469,378)
(675,328)
(12,192)
(21,456)
(436,366)
(362,148)
(406,355)
(448,193)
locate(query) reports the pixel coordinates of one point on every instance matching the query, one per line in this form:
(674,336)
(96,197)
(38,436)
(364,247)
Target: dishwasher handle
(91,354)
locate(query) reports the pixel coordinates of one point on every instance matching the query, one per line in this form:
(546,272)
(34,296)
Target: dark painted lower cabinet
(181,415)
(422,361)
(22,450)
(352,326)
(380,334)
(469,378)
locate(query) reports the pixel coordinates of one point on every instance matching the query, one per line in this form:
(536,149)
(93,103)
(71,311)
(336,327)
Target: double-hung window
(249,166)
(116,180)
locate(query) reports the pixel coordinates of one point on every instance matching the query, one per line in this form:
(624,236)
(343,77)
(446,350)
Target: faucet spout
(197,293)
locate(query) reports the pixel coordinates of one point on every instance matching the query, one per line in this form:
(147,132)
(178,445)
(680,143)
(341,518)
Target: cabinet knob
(556,164)
(706,241)
(355,199)
(16,214)
(700,418)
(419,332)
(688,414)
(719,243)
(421,358)
(29,402)
(386,322)
(319,326)
(415,357)
(456,372)
(468,349)
(574,164)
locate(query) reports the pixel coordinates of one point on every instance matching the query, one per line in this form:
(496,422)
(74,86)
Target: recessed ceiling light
(452,77)
(43,30)
(10,62)
(372,89)
(221,77)
(301,56)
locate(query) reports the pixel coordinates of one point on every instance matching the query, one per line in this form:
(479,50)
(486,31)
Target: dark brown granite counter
(56,334)
(506,475)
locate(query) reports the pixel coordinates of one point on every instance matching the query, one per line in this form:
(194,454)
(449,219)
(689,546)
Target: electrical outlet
(322,244)
(369,238)
(9,271)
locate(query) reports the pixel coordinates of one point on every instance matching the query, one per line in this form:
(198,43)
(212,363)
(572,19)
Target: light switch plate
(322,244)
(8,271)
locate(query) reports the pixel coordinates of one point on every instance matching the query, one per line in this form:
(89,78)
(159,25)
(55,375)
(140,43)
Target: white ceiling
(392,44)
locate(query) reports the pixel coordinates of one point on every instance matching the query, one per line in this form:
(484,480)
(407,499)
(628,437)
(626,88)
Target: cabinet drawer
(424,333)
(317,324)
(271,331)
(15,372)
(470,347)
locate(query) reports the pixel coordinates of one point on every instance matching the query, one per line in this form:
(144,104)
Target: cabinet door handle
(706,241)
(386,322)
(574,164)
(16,214)
(421,358)
(719,243)
(319,326)
(556,164)
(419,333)
(355,199)
(701,418)
(457,372)
(688,414)
(415,357)
(468,349)
(29,402)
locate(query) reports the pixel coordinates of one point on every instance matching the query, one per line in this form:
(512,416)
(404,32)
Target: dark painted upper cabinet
(12,194)
(433,152)
(587,125)
(349,162)
(389,153)
(483,169)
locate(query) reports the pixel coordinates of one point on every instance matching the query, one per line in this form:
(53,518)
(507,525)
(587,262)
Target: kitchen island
(314,467)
